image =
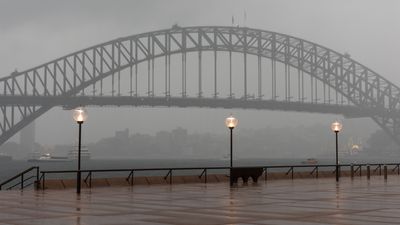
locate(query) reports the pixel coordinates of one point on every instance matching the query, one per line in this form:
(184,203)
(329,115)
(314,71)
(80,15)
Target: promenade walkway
(299,201)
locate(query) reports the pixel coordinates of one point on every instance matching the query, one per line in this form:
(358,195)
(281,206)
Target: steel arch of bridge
(26,95)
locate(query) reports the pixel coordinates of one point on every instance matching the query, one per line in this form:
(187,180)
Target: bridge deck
(302,201)
(350,111)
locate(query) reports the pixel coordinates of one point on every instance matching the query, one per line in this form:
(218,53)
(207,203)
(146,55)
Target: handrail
(204,170)
(291,169)
(214,168)
(205,175)
(21,176)
(89,176)
(170,176)
(25,179)
(398,169)
(380,169)
(315,170)
(130,177)
(138,169)
(131,174)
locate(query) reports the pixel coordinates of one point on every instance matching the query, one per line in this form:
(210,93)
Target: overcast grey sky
(36,31)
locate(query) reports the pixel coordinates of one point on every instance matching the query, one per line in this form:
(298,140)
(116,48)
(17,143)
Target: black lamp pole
(231,128)
(231,165)
(78,177)
(337,162)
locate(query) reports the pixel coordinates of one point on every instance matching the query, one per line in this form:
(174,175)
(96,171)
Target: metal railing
(288,170)
(316,168)
(131,175)
(23,179)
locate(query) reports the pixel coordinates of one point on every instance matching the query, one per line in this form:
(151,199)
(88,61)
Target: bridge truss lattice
(230,67)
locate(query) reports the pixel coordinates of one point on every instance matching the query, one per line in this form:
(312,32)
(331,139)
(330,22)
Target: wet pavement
(299,201)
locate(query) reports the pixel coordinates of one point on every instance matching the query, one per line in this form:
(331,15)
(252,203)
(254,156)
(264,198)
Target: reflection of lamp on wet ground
(231,122)
(336,127)
(79,115)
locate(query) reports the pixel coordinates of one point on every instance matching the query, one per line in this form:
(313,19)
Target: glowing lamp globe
(231,122)
(355,147)
(80,115)
(336,126)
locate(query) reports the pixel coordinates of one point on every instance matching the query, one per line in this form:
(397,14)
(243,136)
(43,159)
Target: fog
(34,32)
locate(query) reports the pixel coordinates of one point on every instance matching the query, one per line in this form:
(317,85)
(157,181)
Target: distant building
(179,140)
(122,135)
(62,150)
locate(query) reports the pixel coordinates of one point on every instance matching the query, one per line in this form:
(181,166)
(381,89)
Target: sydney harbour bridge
(206,66)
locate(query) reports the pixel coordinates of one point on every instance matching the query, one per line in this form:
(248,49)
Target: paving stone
(300,201)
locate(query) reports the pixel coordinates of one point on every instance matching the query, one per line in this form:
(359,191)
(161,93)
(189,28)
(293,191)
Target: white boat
(73,154)
(310,161)
(47,157)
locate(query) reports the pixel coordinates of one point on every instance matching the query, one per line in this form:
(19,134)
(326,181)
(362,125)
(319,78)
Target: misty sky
(34,32)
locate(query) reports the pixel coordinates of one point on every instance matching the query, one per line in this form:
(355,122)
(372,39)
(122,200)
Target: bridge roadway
(67,102)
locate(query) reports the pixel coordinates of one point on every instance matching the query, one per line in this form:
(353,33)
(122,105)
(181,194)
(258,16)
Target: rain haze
(36,32)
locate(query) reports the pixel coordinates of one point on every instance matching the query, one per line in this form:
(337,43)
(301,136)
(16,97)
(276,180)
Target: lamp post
(231,122)
(337,127)
(79,115)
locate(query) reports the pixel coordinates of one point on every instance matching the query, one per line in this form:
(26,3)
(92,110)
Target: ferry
(310,161)
(47,157)
(85,154)
(72,156)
